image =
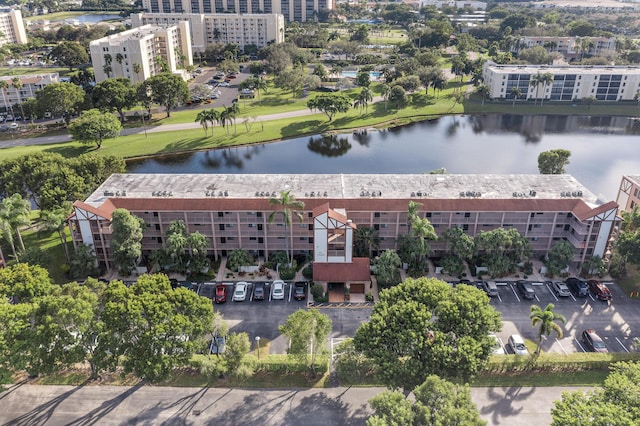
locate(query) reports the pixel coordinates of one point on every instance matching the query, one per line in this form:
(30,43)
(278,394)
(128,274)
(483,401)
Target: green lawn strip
(631,281)
(50,244)
(32,70)
(573,378)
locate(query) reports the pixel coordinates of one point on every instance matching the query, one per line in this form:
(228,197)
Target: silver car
(560,289)
(277,290)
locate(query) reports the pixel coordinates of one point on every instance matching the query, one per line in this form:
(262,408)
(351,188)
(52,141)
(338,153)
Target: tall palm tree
(108,60)
(366,240)
(214,117)
(547,78)
(483,90)
(234,110)
(225,119)
(119,60)
(14,213)
(438,83)
(515,92)
(287,205)
(17,84)
(203,119)
(536,81)
(260,84)
(546,320)
(7,233)
(364,97)
(4,85)
(136,69)
(386,91)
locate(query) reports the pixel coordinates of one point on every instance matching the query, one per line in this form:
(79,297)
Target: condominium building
(142,52)
(28,86)
(12,28)
(569,83)
(570,47)
(257,29)
(292,10)
(629,193)
(232,211)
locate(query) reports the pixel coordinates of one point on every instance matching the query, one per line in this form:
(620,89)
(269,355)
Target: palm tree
(547,78)
(136,69)
(366,240)
(14,213)
(536,81)
(260,84)
(225,119)
(546,320)
(108,60)
(214,117)
(4,85)
(515,92)
(364,97)
(288,205)
(234,110)
(203,119)
(386,91)
(8,235)
(119,60)
(17,84)
(483,90)
(438,83)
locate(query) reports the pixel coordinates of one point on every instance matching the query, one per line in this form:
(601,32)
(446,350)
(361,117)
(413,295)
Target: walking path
(46,140)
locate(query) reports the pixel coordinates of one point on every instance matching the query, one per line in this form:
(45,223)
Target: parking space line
(537,298)
(623,346)
(499,298)
(289,301)
(591,296)
(551,291)
(514,293)
(561,347)
(573,297)
(580,344)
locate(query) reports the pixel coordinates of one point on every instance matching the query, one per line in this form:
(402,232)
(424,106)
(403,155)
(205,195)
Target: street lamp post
(149,92)
(258,344)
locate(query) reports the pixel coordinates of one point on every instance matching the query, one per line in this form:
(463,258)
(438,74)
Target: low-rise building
(567,83)
(12,28)
(142,52)
(232,211)
(227,28)
(569,47)
(629,192)
(29,85)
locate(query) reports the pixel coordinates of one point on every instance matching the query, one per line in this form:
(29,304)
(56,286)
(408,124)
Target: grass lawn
(574,378)
(631,281)
(51,245)
(33,70)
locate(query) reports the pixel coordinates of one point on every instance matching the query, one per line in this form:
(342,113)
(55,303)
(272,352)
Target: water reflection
(602,150)
(329,145)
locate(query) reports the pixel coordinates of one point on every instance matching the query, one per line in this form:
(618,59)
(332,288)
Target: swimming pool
(353,74)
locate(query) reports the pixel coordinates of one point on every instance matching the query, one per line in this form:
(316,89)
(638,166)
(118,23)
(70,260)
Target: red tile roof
(343,272)
(103,211)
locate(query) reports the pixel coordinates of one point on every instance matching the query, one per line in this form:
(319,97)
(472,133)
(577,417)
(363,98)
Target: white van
(517,345)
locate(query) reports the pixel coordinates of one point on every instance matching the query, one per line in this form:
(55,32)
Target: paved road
(145,405)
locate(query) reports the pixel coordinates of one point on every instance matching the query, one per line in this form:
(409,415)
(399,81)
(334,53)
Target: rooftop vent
(325,193)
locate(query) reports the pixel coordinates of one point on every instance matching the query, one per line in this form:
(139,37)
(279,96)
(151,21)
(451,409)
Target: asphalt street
(29,405)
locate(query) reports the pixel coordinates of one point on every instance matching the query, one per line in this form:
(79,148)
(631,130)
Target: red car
(600,290)
(220,293)
(231,76)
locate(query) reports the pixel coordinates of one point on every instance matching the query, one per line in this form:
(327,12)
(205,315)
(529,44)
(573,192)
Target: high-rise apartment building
(293,10)
(12,28)
(227,28)
(140,53)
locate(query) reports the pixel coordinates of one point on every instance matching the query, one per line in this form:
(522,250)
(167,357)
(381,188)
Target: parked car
(231,76)
(593,341)
(277,290)
(498,349)
(220,294)
(490,288)
(240,292)
(560,289)
(578,287)
(517,345)
(258,291)
(300,290)
(600,290)
(225,84)
(525,289)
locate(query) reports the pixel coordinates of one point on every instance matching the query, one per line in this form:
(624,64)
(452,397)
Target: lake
(91,18)
(602,150)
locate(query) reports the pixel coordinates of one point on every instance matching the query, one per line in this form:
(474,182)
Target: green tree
(502,249)
(483,91)
(437,402)
(628,246)
(238,345)
(387,265)
(14,214)
(94,126)
(307,331)
(203,118)
(553,162)
(515,94)
(558,257)
(56,221)
(330,105)
(24,282)
(398,96)
(424,326)
(83,262)
(114,95)
(365,241)
(614,404)
(60,99)
(546,322)
(152,327)
(364,97)
(287,206)
(237,258)
(363,78)
(294,80)
(168,90)
(125,243)
(69,54)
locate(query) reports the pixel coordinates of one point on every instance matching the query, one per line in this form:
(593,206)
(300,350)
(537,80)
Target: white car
(277,290)
(560,289)
(224,84)
(240,292)
(517,345)
(498,349)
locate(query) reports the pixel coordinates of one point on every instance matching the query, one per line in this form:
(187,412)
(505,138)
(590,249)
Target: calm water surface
(602,150)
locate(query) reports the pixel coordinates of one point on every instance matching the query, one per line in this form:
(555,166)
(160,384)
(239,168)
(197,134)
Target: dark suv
(600,290)
(525,289)
(258,291)
(578,287)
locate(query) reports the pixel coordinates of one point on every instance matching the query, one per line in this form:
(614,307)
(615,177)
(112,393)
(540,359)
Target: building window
(310,240)
(259,227)
(159,240)
(157,226)
(223,240)
(465,227)
(220,214)
(260,240)
(310,227)
(376,214)
(252,238)
(221,226)
(155,214)
(428,214)
(376,227)
(258,214)
(467,215)
(251,225)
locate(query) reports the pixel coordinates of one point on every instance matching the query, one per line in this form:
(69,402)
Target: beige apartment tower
(12,28)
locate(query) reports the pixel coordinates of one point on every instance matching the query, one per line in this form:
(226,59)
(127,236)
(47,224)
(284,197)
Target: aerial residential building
(29,85)
(232,211)
(629,192)
(293,10)
(570,47)
(569,83)
(12,28)
(257,29)
(140,53)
